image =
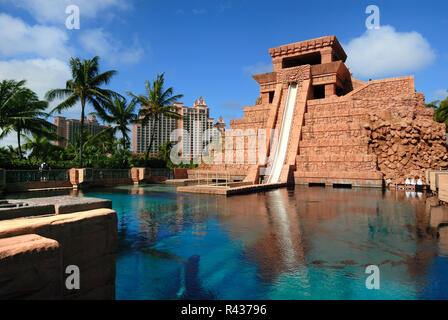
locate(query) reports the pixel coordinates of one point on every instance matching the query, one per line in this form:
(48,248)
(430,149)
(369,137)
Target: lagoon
(306,243)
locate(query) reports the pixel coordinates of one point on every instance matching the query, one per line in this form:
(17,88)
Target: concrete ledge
(29,210)
(226,191)
(70,204)
(370,183)
(357,175)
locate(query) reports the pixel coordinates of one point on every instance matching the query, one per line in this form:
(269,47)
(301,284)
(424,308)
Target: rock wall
(406,140)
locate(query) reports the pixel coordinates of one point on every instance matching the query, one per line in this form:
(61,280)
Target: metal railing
(161,172)
(100,174)
(14,176)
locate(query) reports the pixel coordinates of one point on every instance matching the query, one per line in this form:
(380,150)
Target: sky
(211,48)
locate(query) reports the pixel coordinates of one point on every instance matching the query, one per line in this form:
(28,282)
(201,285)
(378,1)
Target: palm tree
(9,89)
(40,147)
(25,114)
(158,102)
(84,87)
(122,114)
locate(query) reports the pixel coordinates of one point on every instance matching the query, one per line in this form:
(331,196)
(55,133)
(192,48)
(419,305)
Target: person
(44,168)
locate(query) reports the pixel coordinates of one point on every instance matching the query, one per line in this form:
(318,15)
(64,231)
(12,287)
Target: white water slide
(283,137)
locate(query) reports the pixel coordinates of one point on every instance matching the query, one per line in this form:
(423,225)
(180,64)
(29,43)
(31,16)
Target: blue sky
(210,48)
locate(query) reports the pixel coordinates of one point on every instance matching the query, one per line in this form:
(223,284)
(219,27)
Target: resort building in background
(197,130)
(69,129)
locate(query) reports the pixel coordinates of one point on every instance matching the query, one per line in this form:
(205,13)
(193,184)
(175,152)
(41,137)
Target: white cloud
(19,38)
(384,52)
(41,74)
(100,43)
(258,68)
(53,11)
(9,140)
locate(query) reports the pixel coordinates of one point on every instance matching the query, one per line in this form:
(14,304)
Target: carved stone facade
(345,131)
(294,75)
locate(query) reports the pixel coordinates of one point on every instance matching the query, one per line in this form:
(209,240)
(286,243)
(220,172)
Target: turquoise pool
(307,243)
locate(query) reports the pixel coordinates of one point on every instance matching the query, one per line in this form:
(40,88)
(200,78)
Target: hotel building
(198,129)
(68,129)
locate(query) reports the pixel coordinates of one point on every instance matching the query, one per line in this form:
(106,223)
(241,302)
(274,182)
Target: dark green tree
(85,87)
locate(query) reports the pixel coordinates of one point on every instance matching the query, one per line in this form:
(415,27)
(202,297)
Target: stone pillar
(265,97)
(74,178)
(330,90)
(327,55)
(137,175)
(277,62)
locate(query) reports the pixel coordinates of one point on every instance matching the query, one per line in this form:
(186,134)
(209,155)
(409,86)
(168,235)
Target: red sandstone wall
(382,128)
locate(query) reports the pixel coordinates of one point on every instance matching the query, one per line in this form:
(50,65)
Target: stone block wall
(35,252)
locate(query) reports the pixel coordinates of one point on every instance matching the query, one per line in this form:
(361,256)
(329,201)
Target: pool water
(306,243)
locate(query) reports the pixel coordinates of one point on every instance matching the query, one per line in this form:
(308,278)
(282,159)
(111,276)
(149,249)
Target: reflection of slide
(285,128)
(284,235)
(192,288)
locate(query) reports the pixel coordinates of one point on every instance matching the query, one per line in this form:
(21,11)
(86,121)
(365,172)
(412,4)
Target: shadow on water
(190,285)
(192,288)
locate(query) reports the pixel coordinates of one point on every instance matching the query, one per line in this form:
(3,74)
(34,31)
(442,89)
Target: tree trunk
(81,139)
(18,143)
(152,138)
(126,143)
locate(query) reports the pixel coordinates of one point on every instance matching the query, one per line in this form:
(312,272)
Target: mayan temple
(331,127)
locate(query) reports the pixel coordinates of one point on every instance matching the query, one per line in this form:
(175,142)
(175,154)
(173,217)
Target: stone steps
(341,162)
(335,118)
(351,126)
(344,149)
(336,134)
(331,142)
(341,157)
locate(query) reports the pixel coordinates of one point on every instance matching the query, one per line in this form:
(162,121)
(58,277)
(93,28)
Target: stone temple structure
(333,128)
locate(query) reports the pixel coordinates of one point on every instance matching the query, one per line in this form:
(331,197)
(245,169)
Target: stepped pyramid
(333,138)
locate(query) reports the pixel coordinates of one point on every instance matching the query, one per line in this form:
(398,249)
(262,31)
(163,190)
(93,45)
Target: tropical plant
(9,89)
(26,115)
(41,147)
(122,114)
(440,110)
(158,102)
(84,88)
(165,151)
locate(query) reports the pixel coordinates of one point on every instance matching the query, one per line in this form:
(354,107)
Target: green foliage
(84,88)
(121,114)
(158,102)
(440,110)
(22,112)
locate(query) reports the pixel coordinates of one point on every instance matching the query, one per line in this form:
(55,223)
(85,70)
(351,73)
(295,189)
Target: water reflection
(283,244)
